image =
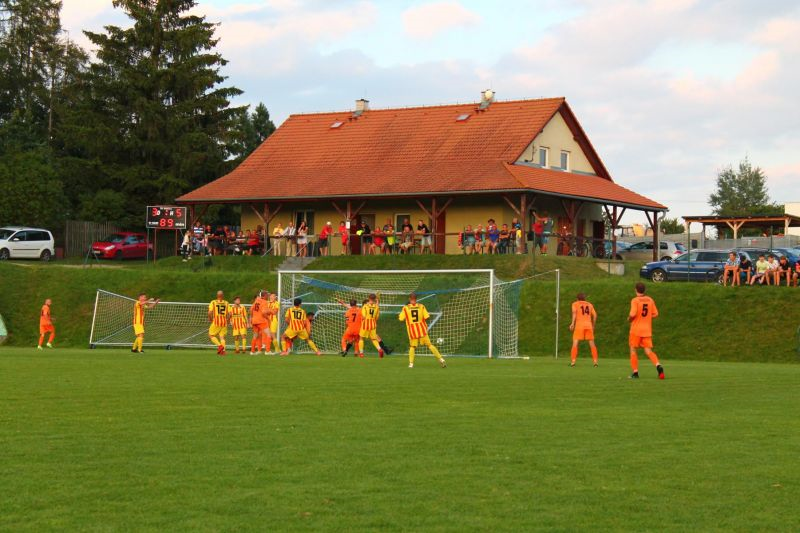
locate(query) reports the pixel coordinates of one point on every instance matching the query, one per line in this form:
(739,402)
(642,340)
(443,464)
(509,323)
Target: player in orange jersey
(259,318)
(218,314)
(46,325)
(584,318)
(352,320)
(239,324)
(643,311)
(139,307)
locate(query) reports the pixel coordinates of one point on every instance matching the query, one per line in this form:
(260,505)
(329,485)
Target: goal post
(473,313)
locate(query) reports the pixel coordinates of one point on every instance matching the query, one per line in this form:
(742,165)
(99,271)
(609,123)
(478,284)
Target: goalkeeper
(415,315)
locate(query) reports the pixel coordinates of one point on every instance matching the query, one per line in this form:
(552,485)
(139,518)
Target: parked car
(26,243)
(621,247)
(792,254)
(644,251)
(697,265)
(122,245)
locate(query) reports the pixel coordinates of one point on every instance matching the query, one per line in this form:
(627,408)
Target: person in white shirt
(277,239)
(772,269)
(290,235)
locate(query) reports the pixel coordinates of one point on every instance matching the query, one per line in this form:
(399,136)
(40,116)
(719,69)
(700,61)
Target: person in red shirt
(643,311)
(46,325)
(324,237)
(344,233)
(584,318)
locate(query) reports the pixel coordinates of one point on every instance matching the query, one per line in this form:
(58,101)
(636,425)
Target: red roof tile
(391,152)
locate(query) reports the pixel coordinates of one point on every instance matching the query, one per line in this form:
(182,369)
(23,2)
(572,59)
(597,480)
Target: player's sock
(385,348)
(255,346)
(215,341)
(377,346)
(313,346)
(653,358)
(285,345)
(361,346)
(660,370)
(594,355)
(634,362)
(52,337)
(277,345)
(41,340)
(411,354)
(574,354)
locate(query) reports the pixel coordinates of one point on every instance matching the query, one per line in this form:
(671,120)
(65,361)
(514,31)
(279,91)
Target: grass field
(104,440)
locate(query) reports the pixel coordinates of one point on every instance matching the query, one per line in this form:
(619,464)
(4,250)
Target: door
(440,239)
(355,238)
(564,231)
(19,245)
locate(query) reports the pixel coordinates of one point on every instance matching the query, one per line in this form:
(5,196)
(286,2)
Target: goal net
(473,313)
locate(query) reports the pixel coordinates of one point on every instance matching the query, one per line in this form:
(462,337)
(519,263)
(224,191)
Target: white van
(26,243)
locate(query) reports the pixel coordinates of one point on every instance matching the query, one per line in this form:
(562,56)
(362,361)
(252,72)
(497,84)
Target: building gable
(556,138)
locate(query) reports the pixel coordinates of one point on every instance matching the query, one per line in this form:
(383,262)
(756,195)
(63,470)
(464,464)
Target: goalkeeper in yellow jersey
(415,315)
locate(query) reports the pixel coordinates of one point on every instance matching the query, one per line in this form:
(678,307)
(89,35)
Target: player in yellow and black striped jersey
(239,324)
(370,312)
(139,307)
(297,326)
(218,313)
(415,315)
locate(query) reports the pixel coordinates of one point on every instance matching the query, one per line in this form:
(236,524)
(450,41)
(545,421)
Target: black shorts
(323,243)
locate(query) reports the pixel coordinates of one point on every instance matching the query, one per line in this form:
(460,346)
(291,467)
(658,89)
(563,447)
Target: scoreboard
(166,217)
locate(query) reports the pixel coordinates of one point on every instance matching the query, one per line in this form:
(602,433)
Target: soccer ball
(440,341)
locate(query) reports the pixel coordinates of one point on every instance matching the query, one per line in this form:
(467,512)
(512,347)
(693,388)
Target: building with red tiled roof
(449,166)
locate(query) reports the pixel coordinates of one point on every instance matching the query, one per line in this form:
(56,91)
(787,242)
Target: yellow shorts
(214,331)
(422,341)
(138,329)
(273,327)
(291,334)
(240,332)
(371,334)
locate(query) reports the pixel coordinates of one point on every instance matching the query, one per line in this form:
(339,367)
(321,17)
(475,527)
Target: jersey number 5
(645,309)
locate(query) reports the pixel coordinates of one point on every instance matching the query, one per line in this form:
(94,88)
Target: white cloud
(429,20)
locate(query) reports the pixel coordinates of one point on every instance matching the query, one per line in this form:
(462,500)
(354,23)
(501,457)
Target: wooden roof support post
(571,209)
(614,216)
(654,226)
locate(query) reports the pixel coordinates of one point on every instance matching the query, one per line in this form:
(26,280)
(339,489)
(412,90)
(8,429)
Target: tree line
(143,118)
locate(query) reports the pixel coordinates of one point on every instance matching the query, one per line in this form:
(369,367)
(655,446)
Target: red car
(122,245)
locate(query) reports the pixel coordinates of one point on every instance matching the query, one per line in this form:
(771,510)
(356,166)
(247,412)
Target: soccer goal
(473,314)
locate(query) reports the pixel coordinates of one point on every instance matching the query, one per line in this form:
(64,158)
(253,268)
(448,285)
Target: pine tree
(159,119)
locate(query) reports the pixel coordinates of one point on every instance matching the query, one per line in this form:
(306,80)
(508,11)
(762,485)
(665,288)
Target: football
(440,341)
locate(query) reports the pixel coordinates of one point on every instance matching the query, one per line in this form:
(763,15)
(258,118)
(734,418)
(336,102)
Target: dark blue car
(697,265)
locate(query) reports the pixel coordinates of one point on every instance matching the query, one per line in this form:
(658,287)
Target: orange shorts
(351,336)
(583,334)
(46,328)
(636,341)
(258,329)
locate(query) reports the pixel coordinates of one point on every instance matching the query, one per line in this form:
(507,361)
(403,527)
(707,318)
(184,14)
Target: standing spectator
(290,235)
(425,237)
(732,268)
(547,229)
(516,235)
(217,241)
(366,238)
(186,246)
(324,237)
(302,239)
(407,236)
(537,229)
(391,238)
(762,267)
(784,271)
(277,238)
(480,236)
(746,268)
(494,235)
(505,239)
(344,234)
(253,242)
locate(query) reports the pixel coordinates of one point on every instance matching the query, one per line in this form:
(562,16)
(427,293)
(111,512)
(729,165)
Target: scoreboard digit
(166,217)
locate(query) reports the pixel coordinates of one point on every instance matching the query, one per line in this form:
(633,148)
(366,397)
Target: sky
(668,91)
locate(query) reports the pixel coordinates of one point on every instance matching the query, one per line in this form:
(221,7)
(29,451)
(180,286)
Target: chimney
(487,97)
(362,105)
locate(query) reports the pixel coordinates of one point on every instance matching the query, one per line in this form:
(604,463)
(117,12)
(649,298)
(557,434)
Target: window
(38,236)
(462,117)
(336,124)
(564,160)
(543,153)
(399,218)
(308,216)
(20,236)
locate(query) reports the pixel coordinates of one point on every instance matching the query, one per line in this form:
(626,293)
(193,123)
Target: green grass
(699,321)
(103,440)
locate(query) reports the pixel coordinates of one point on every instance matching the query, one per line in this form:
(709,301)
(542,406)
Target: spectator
(772,272)
(537,228)
(516,235)
(365,233)
(796,274)
(505,240)
(407,236)
(762,267)
(494,235)
(784,271)
(277,238)
(344,233)
(480,236)
(547,229)
(468,240)
(746,268)
(425,236)
(253,243)
(324,237)
(217,241)
(290,234)
(302,239)
(186,246)
(391,237)
(732,268)
(378,241)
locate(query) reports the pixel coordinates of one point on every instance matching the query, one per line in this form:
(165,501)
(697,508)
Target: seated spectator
(277,239)
(378,241)
(746,268)
(324,237)
(467,243)
(253,243)
(784,271)
(732,268)
(425,237)
(796,274)
(772,272)
(480,237)
(761,270)
(407,236)
(493,234)
(391,238)
(504,242)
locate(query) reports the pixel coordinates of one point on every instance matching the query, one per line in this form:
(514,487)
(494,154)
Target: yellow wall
(557,136)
